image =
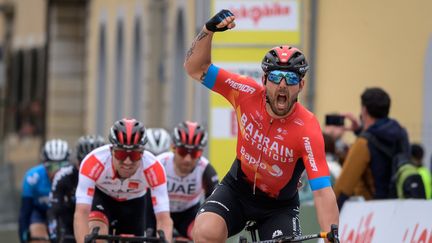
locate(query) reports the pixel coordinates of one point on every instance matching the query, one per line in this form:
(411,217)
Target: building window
(101,81)
(137,70)
(26,93)
(119,71)
(179,84)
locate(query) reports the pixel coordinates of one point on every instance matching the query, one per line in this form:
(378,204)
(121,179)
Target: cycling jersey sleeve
(30,179)
(24,217)
(210,180)
(230,85)
(156,178)
(314,157)
(27,195)
(59,191)
(90,170)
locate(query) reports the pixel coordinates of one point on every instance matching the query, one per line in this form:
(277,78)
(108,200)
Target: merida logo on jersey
(311,158)
(240,87)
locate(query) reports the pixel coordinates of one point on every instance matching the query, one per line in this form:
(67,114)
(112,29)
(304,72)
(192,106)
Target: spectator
(305,192)
(331,157)
(417,154)
(367,171)
(336,131)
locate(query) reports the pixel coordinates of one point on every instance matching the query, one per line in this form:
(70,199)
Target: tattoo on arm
(199,37)
(203,75)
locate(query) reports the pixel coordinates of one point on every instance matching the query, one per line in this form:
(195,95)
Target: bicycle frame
(94,235)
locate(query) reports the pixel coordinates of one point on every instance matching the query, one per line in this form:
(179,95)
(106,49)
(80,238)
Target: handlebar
(94,235)
(332,236)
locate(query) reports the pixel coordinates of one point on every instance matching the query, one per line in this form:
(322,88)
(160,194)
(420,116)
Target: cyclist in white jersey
(191,177)
(113,180)
(159,141)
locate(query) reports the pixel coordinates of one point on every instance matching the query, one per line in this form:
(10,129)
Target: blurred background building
(69,67)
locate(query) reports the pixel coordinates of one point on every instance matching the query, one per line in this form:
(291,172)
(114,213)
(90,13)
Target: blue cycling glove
(217,19)
(25,236)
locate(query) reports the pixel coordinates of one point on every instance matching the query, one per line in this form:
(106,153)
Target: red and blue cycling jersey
(269,149)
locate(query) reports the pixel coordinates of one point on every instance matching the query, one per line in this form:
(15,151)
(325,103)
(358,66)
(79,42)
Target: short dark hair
(417,151)
(377,102)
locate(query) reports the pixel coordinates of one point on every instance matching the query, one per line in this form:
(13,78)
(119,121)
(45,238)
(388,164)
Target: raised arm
(198,57)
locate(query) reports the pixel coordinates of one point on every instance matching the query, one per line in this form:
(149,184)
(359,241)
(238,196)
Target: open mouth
(281,101)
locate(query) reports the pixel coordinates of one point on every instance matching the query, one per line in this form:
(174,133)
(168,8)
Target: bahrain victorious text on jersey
(269,149)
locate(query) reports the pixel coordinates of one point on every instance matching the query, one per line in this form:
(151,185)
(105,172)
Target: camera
(335,120)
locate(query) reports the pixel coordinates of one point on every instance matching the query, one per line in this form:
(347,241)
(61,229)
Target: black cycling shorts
(273,219)
(125,217)
(183,220)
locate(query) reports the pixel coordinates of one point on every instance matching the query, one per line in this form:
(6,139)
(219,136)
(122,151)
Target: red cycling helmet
(285,58)
(128,134)
(190,135)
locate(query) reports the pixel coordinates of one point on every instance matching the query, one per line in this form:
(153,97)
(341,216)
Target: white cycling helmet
(159,140)
(55,150)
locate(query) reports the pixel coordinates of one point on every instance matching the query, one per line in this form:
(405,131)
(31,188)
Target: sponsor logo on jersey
(259,124)
(90,191)
(92,168)
(240,87)
(269,147)
(276,233)
(273,170)
(308,147)
(182,188)
(276,171)
(283,131)
(32,179)
(155,175)
(299,122)
(133,185)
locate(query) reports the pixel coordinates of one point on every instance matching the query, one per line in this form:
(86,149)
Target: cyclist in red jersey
(278,138)
(113,181)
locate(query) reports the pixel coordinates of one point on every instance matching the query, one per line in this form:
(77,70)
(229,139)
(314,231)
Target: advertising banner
(261,22)
(406,221)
